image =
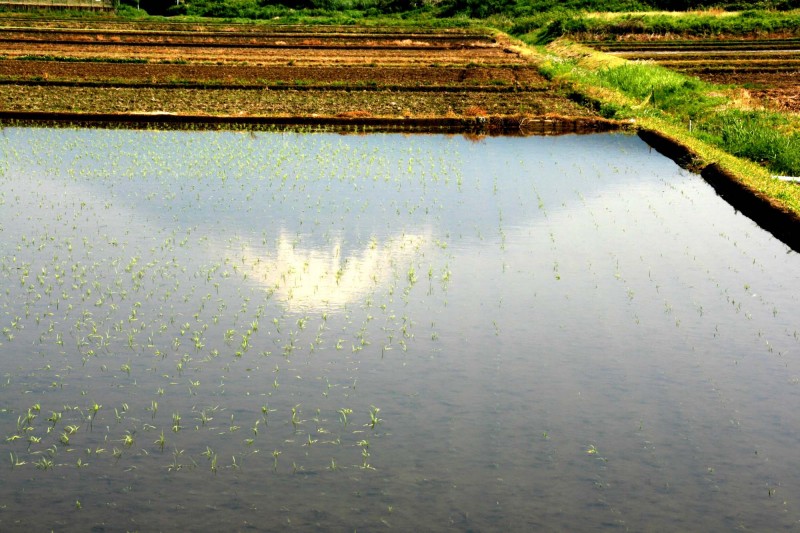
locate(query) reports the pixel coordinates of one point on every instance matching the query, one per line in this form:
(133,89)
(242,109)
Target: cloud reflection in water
(324,277)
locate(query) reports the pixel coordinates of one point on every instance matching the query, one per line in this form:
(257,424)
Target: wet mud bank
(783,224)
(489,125)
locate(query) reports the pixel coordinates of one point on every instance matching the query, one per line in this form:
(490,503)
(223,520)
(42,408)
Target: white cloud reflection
(323,277)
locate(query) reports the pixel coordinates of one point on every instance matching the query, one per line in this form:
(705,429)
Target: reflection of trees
(475,138)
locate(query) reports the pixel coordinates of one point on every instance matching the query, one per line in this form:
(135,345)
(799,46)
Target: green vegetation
(664,99)
(685,108)
(658,88)
(544,18)
(548,26)
(533,13)
(764,137)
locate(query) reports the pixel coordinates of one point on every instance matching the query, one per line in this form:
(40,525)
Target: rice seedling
(16,461)
(127,439)
(153,408)
(343,415)
(176,465)
(373,415)
(54,418)
(44,464)
(176,422)
(213,461)
(161,441)
(93,410)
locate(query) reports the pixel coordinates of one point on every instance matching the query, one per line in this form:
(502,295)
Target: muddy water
(363,332)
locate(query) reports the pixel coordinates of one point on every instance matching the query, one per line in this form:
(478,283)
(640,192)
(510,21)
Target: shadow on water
(783,224)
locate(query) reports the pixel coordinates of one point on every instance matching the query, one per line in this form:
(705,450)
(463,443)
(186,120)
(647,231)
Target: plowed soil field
(282,71)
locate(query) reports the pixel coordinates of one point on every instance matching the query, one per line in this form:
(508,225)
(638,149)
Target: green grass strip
(753,144)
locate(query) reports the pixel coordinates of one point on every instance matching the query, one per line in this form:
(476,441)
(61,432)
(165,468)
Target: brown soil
(671,37)
(249,71)
(786,100)
(273,74)
(118,25)
(248,39)
(230,101)
(264,56)
(777,90)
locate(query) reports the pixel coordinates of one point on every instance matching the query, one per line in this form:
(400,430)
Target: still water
(280,331)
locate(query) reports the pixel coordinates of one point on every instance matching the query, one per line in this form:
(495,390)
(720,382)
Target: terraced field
(72,5)
(279,71)
(768,68)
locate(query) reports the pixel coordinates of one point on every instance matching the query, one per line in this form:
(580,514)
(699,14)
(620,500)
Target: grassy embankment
(720,124)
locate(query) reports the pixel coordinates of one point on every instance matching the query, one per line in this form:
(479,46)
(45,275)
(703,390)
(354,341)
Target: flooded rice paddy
(283,331)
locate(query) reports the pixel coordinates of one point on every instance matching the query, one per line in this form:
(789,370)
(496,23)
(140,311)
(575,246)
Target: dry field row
(125,73)
(234,70)
(249,37)
(225,27)
(682,45)
(763,65)
(73,5)
(236,102)
(313,46)
(718,56)
(264,56)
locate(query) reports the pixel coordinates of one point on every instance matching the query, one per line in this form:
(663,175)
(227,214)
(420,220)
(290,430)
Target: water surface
(364,332)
